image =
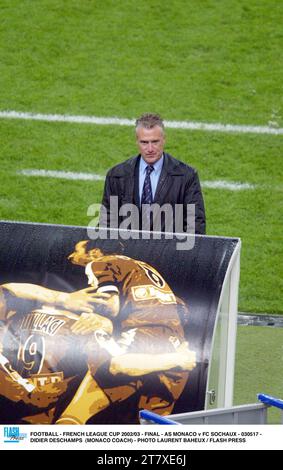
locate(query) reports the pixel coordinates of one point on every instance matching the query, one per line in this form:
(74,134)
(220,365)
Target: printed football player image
(148,357)
(75,357)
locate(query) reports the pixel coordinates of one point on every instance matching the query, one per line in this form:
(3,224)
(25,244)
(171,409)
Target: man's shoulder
(124,168)
(175,166)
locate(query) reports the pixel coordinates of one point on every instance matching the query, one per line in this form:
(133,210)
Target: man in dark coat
(153,179)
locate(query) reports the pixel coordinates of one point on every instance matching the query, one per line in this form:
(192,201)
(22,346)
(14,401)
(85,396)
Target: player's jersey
(42,349)
(41,346)
(146,300)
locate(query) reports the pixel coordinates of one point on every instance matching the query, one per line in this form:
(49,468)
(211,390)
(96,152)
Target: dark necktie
(147,191)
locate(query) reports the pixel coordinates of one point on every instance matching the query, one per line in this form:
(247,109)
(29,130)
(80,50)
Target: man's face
(150,143)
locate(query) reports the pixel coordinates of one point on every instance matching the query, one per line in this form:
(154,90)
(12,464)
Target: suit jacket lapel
(164,177)
(130,172)
(170,168)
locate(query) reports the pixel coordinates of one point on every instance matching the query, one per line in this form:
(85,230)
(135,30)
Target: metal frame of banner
(220,392)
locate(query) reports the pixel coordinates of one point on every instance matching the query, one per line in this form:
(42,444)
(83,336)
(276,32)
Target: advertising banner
(94,330)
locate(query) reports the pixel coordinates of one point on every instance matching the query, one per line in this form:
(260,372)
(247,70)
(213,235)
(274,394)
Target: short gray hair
(149,120)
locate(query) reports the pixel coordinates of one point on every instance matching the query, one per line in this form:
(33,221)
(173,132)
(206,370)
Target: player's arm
(109,302)
(84,300)
(88,323)
(135,364)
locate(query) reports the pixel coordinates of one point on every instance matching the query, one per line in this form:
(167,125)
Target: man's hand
(90,322)
(87,300)
(84,300)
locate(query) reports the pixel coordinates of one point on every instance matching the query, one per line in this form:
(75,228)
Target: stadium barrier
(256,413)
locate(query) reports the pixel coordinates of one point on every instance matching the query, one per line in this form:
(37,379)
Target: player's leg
(88,400)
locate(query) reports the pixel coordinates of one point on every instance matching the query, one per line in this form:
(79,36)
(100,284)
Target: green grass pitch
(199,60)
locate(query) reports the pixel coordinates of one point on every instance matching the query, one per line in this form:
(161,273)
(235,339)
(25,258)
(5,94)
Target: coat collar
(127,169)
(171,166)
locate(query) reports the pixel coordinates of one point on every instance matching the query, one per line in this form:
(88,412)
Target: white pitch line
(69,175)
(229,185)
(66,175)
(187,125)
